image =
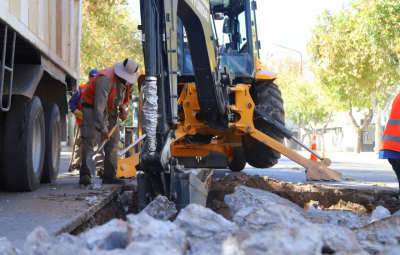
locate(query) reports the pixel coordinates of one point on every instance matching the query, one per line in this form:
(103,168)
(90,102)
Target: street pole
(301,56)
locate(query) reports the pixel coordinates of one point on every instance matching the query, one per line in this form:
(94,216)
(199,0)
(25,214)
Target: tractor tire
(268,97)
(24,144)
(238,161)
(52,143)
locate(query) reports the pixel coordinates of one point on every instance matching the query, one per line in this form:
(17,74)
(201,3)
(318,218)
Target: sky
(284,22)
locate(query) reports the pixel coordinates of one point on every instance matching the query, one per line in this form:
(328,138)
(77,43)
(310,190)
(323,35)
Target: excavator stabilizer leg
(315,170)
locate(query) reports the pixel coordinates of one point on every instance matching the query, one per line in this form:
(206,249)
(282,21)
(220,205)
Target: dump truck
(40,49)
(202,89)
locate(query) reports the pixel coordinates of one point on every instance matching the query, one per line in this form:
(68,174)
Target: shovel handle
(109,134)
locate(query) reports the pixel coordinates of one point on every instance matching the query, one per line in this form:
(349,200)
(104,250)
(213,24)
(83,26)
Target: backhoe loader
(202,90)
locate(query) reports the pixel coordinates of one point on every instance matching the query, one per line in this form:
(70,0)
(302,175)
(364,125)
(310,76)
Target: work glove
(78,114)
(105,137)
(122,114)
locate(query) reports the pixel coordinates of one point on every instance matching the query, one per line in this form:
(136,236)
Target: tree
(353,55)
(109,35)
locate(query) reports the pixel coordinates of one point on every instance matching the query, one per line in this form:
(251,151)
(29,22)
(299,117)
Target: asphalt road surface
(365,168)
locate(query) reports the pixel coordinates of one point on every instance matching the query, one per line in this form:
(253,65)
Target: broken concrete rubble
(202,222)
(161,208)
(262,223)
(341,218)
(144,228)
(304,240)
(391,247)
(311,239)
(40,243)
(245,197)
(380,212)
(373,236)
(103,237)
(337,238)
(7,249)
(271,214)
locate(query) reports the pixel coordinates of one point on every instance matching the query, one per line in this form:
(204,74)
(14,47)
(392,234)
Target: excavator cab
(234,27)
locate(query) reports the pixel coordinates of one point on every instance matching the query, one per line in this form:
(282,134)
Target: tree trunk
(359,136)
(360,130)
(378,131)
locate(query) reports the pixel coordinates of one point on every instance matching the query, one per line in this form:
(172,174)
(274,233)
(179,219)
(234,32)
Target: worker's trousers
(395,162)
(89,135)
(77,160)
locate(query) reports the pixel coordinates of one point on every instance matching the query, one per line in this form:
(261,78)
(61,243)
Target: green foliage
(353,51)
(304,101)
(109,35)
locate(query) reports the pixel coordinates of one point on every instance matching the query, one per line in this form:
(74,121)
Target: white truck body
(52,27)
(39,64)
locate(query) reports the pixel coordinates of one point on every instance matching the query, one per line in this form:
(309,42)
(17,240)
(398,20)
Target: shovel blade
(91,164)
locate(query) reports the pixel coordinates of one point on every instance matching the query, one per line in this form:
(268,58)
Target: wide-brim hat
(127,70)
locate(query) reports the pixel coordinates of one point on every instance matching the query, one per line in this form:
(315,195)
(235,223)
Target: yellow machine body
(224,141)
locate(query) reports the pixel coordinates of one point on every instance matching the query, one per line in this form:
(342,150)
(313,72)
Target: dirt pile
(303,194)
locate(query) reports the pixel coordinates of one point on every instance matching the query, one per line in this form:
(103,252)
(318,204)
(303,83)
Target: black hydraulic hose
(277,126)
(283,130)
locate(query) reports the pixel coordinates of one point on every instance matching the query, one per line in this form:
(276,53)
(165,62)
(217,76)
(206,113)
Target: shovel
(73,148)
(89,158)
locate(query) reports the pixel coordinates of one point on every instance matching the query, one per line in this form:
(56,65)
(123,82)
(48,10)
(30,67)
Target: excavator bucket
(190,187)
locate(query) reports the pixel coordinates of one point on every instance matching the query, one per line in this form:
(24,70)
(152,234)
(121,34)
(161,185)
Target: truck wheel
(24,143)
(237,161)
(267,96)
(52,143)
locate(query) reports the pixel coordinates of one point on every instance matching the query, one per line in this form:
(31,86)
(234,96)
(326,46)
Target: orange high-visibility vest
(90,92)
(391,136)
(82,89)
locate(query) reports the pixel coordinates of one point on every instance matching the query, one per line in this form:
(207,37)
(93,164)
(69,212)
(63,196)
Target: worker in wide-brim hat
(105,99)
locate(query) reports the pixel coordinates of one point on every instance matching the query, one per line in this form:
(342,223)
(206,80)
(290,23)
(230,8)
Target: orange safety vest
(91,88)
(82,89)
(391,136)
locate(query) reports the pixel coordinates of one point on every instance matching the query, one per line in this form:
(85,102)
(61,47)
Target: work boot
(85,180)
(112,180)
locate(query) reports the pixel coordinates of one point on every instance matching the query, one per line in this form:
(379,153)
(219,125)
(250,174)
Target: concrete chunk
(64,244)
(380,212)
(143,228)
(161,208)
(301,241)
(373,236)
(271,214)
(103,237)
(202,222)
(337,239)
(341,218)
(7,249)
(245,197)
(391,247)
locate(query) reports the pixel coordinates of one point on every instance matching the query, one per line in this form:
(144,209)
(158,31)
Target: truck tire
(52,143)
(267,96)
(24,143)
(237,162)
